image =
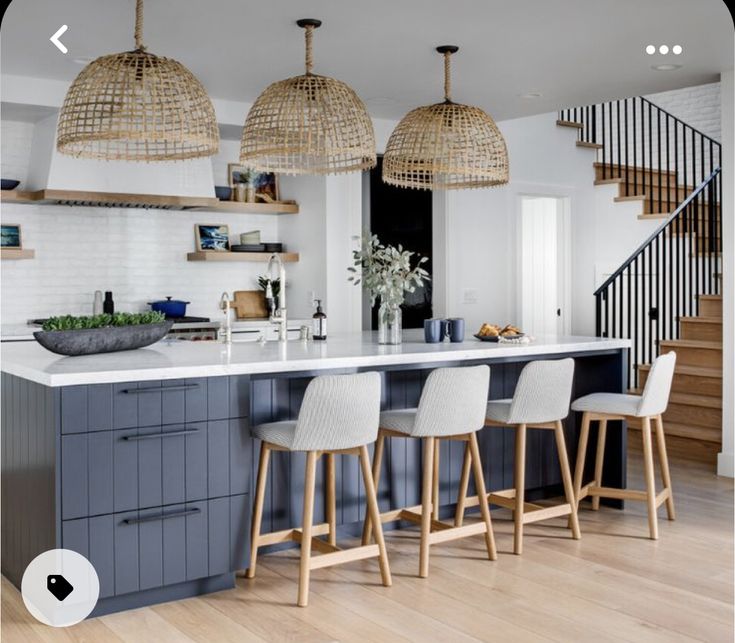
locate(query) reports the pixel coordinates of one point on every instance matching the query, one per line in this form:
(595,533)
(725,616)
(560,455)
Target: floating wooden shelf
(239,256)
(17,253)
(148,201)
(237,207)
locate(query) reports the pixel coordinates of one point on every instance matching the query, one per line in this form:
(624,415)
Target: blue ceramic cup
(433,331)
(455,329)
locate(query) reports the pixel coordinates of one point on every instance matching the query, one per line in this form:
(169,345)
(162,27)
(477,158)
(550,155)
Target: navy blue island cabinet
(151,480)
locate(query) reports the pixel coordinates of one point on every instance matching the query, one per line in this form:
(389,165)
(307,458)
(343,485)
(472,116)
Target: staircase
(666,295)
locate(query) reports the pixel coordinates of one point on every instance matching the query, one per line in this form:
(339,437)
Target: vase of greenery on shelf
(387,274)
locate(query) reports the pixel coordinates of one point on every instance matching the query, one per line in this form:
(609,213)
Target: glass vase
(389,323)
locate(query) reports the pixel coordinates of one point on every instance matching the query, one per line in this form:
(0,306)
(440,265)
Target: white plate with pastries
(493,332)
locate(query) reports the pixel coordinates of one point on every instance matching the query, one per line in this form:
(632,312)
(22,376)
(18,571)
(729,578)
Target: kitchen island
(143,461)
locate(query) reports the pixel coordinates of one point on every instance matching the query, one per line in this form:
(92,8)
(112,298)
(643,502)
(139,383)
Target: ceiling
(572,52)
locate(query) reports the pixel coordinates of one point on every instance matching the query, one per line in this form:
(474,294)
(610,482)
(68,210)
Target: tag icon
(59,586)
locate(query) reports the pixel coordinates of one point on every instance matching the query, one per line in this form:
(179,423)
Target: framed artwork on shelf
(10,236)
(212,237)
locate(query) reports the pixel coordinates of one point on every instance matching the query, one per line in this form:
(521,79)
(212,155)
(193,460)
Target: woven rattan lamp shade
(308,124)
(136,106)
(446,146)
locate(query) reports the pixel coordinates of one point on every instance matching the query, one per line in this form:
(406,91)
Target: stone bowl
(88,341)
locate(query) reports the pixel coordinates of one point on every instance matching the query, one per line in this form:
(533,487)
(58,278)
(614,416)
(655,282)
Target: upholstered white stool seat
(338,415)
(279,433)
(401,421)
(647,409)
(498,410)
(451,407)
(609,403)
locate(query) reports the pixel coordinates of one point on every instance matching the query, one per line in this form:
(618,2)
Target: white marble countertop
(179,359)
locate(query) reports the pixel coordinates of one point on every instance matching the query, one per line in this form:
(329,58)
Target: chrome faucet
(278,313)
(226,329)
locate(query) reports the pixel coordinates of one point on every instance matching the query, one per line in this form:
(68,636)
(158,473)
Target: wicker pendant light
(136,106)
(446,146)
(308,124)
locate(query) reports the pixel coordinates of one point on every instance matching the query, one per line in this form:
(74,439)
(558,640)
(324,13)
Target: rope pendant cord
(139,25)
(309,37)
(447,77)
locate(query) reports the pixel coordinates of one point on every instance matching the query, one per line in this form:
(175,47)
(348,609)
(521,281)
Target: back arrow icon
(55,39)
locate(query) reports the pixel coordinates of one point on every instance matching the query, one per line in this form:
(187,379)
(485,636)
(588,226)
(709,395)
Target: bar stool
(452,407)
(540,401)
(648,406)
(339,414)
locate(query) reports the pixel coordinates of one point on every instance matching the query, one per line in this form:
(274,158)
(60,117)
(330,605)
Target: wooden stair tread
(706,434)
(701,320)
(689,399)
(711,297)
(593,146)
(686,369)
(573,124)
(609,181)
(692,343)
(633,168)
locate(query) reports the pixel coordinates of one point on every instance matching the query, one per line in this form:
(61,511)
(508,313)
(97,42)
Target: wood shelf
(17,253)
(148,201)
(239,256)
(237,207)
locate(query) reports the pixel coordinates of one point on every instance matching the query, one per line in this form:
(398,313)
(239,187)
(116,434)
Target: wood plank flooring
(613,585)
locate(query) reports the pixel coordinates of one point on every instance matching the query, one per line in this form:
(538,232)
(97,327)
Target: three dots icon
(664,49)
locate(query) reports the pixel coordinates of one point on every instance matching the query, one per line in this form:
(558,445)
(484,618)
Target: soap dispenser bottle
(319,323)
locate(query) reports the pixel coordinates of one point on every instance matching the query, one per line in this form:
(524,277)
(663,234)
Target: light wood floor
(614,584)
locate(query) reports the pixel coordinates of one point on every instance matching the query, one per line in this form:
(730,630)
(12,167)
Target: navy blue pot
(169,307)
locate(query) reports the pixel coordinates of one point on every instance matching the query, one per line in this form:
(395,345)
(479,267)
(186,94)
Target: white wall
(698,107)
(480,228)
(725,464)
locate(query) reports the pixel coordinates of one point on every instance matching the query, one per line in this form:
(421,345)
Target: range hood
(57,173)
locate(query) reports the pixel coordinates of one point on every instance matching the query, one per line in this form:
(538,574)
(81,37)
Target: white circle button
(60,587)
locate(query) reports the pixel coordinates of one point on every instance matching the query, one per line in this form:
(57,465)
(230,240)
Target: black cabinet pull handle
(154,436)
(162,516)
(160,389)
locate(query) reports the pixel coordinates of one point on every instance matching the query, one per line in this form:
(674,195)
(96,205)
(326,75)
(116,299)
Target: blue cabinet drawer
(104,407)
(106,472)
(139,550)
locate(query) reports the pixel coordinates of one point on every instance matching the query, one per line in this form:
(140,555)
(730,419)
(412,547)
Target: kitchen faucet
(278,313)
(225,304)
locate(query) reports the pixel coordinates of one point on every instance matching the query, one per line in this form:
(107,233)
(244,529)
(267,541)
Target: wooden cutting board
(250,304)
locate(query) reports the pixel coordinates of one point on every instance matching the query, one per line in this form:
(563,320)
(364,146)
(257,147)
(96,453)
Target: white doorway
(544,265)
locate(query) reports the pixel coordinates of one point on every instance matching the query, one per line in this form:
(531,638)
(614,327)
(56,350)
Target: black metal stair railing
(655,153)
(676,169)
(661,281)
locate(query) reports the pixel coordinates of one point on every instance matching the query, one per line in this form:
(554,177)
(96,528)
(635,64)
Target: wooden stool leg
(377,461)
(566,476)
(331,508)
(664,461)
(426,510)
(581,455)
(306,524)
(492,552)
(599,460)
(464,481)
(372,509)
(435,483)
(650,480)
(258,508)
(520,485)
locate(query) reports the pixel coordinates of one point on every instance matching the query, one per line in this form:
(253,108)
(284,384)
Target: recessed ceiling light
(82,60)
(666,67)
(651,49)
(531,95)
(677,49)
